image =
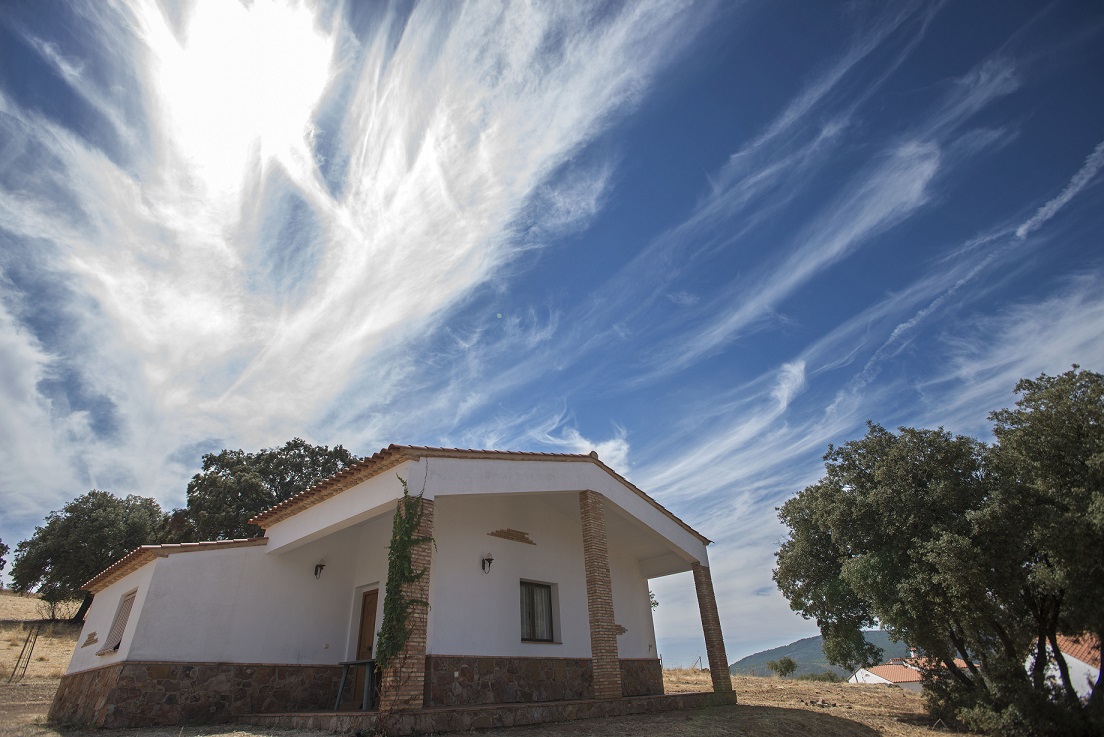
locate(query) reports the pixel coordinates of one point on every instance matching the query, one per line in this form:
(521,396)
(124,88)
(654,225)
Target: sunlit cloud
(241,281)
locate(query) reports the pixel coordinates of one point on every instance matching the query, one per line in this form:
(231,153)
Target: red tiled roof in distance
(927,664)
(1085,647)
(896,673)
(393,455)
(138,557)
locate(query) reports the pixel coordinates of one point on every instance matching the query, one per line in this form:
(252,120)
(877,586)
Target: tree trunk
(78,618)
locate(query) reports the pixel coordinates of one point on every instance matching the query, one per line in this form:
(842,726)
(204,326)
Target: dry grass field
(19,614)
(768,707)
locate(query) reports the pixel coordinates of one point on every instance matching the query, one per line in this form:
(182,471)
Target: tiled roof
(1084,647)
(138,557)
(896,673)
(393,455)
(925,663)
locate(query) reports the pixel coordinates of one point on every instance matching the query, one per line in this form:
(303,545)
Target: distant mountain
(809,656)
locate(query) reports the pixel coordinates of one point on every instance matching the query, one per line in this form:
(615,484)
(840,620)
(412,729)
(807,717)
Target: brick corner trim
(711,627)
(512,535)
(402,684)
(606,668)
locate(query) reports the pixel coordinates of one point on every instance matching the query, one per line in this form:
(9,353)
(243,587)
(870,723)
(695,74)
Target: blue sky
(706,240)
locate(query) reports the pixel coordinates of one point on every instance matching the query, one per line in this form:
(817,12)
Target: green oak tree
(3,551)
(784,666)
(976,555)
(234,486)
(83,538)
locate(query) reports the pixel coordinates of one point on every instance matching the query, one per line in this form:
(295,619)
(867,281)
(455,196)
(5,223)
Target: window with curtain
(536,612)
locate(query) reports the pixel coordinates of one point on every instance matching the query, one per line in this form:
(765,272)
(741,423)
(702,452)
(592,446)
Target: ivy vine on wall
(397,604)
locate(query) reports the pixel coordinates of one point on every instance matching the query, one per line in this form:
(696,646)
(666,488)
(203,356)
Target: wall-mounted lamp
(486,562)
(318,568)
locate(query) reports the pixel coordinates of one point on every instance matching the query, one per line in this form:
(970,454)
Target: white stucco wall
(245,605)
(479,614)
(1082,675)
(632,608)
(100,616)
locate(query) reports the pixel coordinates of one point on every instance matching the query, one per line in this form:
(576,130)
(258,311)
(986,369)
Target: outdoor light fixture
(318,568)
(487,560)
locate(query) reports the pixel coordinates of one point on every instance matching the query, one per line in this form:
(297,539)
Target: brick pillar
(711,626)
(605,666)
(403,683)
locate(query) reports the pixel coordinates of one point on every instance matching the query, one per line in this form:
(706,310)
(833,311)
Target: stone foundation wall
(82,698)
(160,694)
(125,695)
(641,677)
(457,680)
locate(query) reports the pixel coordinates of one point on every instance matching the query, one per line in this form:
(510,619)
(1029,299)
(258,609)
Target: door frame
(356,606)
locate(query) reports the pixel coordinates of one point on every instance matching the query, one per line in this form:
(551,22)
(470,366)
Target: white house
(890,674)
(1082,656)
(537,583)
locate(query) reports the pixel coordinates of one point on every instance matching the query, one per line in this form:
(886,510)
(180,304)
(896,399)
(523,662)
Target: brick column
(711,626)
(403,683)
(605,666)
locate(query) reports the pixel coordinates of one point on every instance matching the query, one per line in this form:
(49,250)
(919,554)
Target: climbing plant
(398,605)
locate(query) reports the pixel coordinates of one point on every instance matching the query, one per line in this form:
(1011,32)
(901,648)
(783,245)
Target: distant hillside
(809,656)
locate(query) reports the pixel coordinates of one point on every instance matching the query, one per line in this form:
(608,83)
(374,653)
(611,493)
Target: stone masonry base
(467,680)
(465,719)
(163,694)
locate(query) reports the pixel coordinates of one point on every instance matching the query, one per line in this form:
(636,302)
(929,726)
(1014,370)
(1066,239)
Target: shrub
(826,676)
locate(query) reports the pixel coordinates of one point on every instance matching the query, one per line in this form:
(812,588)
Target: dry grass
(19,614)
(768,707)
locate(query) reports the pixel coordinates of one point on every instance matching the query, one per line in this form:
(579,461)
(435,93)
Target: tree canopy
(968,551)
(784,666)
(77,542)
(3,551)
(235,486)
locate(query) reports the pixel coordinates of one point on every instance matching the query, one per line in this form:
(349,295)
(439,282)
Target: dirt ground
(769,707)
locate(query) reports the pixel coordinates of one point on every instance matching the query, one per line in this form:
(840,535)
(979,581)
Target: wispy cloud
(457,130)
(1084,176)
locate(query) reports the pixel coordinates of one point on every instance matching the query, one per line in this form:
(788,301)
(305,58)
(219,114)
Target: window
(536,612)
(115,636)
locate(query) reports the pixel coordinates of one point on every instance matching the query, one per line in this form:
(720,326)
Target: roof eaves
(393,455)
(143,554)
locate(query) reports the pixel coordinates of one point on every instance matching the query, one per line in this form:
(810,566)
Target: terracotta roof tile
(896,673)
(138,557)
(924,663)
(393,455)
(1085,647)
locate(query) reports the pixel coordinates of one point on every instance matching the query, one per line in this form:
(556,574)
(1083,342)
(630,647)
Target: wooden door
(365,639)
